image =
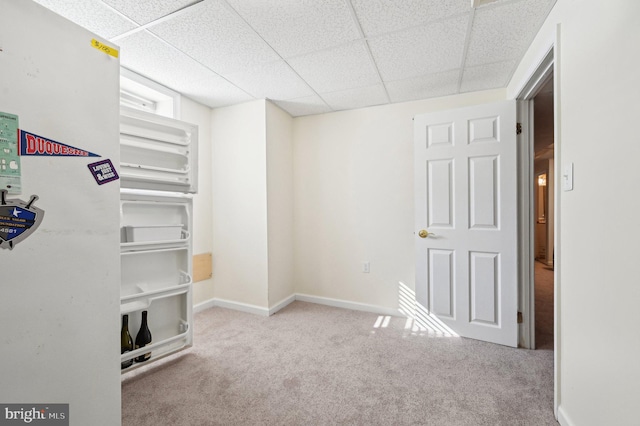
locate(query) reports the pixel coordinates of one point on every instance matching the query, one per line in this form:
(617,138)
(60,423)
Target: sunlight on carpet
(419,320)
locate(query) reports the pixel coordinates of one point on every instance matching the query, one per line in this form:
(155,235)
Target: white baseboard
(563,419)
(230,304)
(204,305)
(281,304)
(337,303)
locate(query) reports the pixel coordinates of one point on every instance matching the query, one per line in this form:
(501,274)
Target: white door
(465,198)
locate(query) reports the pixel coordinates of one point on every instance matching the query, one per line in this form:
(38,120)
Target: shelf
(160,348)
(151,246)
(145,294)
(157,153)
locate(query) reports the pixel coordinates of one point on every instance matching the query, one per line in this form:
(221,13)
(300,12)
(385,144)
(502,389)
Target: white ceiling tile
(337,69)
(146,55)
(356,98)
(144,11)
(275,80)
(304,106)
(485,77)
(421,50)
(92,15)
(215,92)
(294,27)
(383,16)
(424,87)
(215,36)
(503,31)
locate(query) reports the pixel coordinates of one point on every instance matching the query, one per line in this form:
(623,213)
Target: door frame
(549,65)
(526,203)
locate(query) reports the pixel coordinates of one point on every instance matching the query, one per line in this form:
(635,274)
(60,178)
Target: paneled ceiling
(315,56)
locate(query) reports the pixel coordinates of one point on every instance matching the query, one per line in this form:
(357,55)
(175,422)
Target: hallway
(544,306)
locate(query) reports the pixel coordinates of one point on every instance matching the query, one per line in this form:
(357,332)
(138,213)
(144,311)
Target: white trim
(202,306)
(538,78)
(526,296)
(167,100)
(230,304)
(345,304)
(281,304)
(563,418)
(557,250)
(319,300)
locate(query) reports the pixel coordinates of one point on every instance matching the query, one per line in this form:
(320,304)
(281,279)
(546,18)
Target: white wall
(279,203)
(353,199)
(239,196)
(597,264)
(193,112)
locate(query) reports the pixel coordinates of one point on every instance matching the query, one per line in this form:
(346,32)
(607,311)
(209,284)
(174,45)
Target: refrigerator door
(60,285)
(156,269)
(157,152)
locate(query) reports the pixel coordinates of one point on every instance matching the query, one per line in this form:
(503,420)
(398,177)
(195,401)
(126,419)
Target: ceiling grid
(310,56)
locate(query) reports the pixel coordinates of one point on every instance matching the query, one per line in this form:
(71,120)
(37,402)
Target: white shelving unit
(156,173)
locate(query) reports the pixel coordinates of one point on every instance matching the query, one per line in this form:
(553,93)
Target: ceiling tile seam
(366,38)
(420,25)
(120,14)
(352,88)
(198,62)
(496,5)
(488,64)
(372,60)
(235,12)
(422,75)
(467,42)
(160,20)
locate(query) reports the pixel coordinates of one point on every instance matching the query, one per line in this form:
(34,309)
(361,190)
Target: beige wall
(239,196)
(597,266)
(353,199)
(279,203)
(193,112)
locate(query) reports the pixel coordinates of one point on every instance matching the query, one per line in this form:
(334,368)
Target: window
(141,93)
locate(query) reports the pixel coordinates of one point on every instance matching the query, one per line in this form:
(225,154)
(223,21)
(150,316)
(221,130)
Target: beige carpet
(544,306)
(316,365)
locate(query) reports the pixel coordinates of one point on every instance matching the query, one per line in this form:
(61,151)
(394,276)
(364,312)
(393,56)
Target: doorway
(543,217)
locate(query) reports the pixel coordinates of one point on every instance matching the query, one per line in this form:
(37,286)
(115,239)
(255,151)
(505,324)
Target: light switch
(567,177)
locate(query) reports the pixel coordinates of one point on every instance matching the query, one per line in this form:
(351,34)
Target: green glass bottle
(126,343)
(143,338)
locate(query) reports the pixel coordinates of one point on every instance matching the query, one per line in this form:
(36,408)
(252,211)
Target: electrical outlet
(365,267)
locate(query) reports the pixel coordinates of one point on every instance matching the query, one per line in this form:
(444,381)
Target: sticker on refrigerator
(111,51)
(103,171)
(10,172)
(32,144)
(18,219)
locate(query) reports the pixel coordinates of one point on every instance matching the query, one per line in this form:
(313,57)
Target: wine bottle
(126,343)
(143,338)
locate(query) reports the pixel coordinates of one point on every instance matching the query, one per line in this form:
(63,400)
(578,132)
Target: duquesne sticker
(31,144)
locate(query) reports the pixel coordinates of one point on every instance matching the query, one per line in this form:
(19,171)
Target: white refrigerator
(60,254)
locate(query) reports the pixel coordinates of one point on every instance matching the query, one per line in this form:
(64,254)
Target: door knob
(423,233)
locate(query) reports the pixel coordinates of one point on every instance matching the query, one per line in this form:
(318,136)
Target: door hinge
(520,318)
(518,128)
